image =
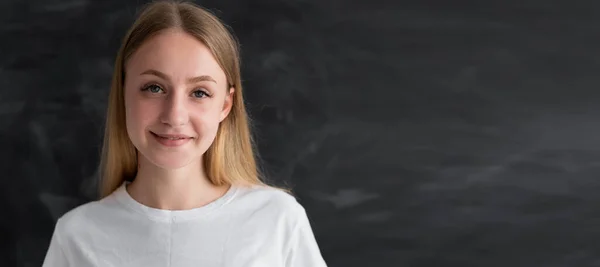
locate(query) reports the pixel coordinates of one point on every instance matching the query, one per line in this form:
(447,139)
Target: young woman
(180,185)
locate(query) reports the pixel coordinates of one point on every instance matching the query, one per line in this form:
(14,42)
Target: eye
(200,94)
(152,88)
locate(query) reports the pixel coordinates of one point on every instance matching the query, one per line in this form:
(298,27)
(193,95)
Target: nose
(175,112)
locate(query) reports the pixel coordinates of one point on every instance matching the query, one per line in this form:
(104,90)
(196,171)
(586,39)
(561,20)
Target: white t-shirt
(248,227)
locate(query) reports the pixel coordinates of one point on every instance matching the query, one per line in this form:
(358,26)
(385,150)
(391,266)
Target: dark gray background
(415,133)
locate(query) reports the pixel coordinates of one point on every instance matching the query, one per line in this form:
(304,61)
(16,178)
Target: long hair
(231,157)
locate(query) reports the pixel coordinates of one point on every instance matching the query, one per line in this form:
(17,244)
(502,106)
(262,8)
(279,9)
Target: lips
(171,136)
(172,140)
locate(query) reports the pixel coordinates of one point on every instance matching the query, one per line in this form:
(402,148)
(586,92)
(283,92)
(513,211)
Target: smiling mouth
(171,137)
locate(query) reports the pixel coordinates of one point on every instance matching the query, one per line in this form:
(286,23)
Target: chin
(173,159)
(172,162)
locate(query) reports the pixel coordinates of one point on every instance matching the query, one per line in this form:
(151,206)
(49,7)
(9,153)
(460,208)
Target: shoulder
(84,216)
(275,214)
(268,203)
(269,198)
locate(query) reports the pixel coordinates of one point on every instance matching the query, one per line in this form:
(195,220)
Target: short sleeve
(55,255)
(304,250)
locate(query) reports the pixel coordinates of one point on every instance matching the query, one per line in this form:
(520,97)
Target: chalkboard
(415,133)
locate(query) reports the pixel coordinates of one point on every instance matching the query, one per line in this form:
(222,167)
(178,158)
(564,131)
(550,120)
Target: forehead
(177,54)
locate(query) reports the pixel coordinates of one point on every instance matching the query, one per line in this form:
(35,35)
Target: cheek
(208,119)
(204,117)
(137,114)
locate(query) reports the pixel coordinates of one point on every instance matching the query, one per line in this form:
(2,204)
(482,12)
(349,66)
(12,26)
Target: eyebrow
(163,76)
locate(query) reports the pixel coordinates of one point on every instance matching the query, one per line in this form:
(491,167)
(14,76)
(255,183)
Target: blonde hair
(231,157)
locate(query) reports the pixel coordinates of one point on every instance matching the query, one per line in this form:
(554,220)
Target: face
(176,94)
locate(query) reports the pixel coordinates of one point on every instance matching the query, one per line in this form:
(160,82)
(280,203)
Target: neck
(177,189)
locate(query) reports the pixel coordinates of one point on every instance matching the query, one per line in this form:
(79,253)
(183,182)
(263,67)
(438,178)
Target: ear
(227,105)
